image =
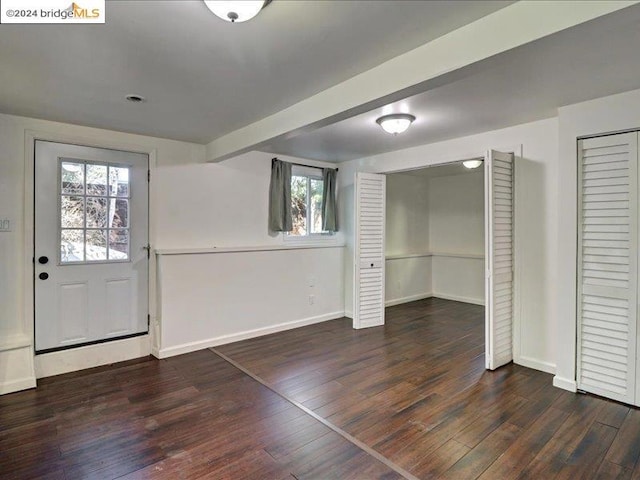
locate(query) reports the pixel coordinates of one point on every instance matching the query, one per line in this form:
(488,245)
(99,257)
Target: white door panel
(608,266)
(91,230)
(369,262)
(499,175)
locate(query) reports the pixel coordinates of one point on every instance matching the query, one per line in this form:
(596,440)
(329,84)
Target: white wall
(408,262)
(535,225)
(604,115)
(212,298)
(456,226)
(408,278)
(407,215)
(216,298)
(456,213)
(458,277)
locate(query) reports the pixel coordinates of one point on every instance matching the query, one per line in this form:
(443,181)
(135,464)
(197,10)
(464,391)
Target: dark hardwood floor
(416,391)
(193,416)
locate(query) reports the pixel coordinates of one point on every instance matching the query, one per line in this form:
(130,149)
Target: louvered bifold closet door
(499,189)
(607,265)
(369,250)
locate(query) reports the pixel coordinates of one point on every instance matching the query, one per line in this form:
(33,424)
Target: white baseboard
(458,298)
(17,385)
(236,337)
(565,384)
(536,364)
(65,361)
(348,314)
(411,298)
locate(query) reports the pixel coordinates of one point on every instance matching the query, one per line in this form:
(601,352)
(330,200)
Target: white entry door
(91,245)
(499,192)
(370,191)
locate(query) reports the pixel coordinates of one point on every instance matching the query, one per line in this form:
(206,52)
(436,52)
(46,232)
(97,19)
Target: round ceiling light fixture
(472,163)
(395,123)
(236,11)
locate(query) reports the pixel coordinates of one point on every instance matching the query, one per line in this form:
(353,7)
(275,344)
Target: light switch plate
(5,225)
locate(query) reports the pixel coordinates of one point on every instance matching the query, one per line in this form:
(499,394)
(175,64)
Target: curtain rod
(300,164)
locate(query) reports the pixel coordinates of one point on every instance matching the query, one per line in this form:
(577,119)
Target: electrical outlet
(5,225)
(312,299)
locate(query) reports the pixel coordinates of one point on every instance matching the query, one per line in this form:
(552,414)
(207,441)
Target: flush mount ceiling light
(395,123)
(472,163)
(236,11)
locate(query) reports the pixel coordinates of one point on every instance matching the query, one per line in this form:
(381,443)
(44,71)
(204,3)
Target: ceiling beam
(432,64)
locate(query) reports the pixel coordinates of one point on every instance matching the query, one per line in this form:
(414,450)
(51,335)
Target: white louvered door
(368,282)
(499,175)
(608,265)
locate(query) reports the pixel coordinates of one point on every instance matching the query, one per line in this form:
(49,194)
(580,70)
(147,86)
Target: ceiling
(204,77)
(528,83)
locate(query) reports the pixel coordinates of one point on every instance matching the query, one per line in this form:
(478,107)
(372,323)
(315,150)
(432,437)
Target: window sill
(318,238)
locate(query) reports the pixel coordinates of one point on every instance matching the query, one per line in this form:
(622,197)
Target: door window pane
(72,177)
(72,212)
(72,246)
(119,213)
(96,179)
(119,181)
(96,245)
(118,244)
(96,212)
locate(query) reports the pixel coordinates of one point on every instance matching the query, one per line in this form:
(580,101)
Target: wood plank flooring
(188,417)
(416,391)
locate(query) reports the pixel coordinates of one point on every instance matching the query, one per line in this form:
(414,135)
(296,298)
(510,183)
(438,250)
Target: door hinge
(148,320)
(147,247)
(148,175)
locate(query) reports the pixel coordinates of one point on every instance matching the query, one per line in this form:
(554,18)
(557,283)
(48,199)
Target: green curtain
(280,197)
(329,214)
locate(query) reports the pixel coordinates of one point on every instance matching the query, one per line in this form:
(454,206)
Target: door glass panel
(72,246)
(96,212)
(119,181)
(96,245)
(120,213)
(72,177)
(72,212)
(94,221)
(96,179)
(118,244)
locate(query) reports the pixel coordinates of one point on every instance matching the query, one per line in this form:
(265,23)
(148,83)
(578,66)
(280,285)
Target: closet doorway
(444,231)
